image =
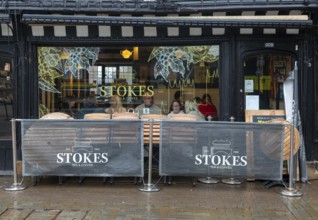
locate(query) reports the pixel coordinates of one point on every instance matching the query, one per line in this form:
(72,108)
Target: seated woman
(190,108)
(115,105)
(175,108)
(207,108)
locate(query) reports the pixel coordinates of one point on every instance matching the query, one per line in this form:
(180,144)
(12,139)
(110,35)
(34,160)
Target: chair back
(56,115)
(154,116)
(184,117)
(183,134)
(125,115)
(97,116)
(124,135)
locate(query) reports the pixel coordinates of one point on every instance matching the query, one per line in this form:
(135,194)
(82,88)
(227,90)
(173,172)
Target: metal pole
(231,180)
(149,187)
(291,190)
(291,159)
(302,154)
(208,179)
(150,153)
(15,186)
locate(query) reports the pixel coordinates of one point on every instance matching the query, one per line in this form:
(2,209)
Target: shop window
(95,74)
(110,74)
(126,73)
(79,80)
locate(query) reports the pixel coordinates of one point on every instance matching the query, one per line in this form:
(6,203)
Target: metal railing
(187,148)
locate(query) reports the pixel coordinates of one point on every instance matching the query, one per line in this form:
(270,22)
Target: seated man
(148,107)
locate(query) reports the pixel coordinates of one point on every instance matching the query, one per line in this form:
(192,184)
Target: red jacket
(208,110)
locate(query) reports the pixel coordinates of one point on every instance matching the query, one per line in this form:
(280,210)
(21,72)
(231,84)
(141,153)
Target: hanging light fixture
(126,54)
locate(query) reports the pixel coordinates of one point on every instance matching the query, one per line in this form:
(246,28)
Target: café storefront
(74,63)
(92,75)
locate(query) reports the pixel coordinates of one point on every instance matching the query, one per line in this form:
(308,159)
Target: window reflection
(80,80)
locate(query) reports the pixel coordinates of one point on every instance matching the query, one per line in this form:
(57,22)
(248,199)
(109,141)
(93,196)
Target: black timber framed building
(195,47)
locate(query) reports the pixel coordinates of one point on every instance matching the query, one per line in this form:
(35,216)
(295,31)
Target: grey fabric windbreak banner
(221,149)
(82,147)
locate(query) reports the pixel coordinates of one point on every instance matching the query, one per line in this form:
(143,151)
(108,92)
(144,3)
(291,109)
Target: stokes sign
(82,159)
(220,160)
(220,156)
(125,90)
(82,154)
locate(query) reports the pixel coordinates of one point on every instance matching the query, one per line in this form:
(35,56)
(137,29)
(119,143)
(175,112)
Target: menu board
(262,116)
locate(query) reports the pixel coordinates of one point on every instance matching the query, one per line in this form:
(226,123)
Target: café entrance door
(264,73)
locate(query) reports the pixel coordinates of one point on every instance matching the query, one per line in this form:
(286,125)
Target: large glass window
(80,80)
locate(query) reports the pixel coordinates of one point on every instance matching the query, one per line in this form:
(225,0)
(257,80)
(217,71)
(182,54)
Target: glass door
(264,75)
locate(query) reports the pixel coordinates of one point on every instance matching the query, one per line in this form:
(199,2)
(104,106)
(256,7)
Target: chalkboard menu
(266,118)
(262,116)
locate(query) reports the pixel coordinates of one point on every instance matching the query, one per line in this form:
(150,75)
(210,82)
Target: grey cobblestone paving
(122,200)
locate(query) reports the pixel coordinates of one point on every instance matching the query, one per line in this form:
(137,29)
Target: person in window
(197,100)
(207,108)
(93,89)
(89,106)
(148,107)
(191,108)
(177,95)
(175,108)
(115,105)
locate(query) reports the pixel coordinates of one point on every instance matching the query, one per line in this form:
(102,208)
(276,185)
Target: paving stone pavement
(93,200)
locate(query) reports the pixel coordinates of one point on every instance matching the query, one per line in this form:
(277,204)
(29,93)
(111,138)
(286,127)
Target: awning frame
(228,21)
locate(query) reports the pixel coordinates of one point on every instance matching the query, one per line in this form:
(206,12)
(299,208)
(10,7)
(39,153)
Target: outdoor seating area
(109,148)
